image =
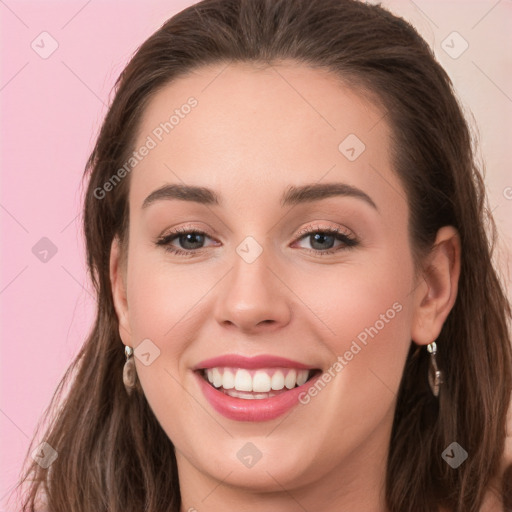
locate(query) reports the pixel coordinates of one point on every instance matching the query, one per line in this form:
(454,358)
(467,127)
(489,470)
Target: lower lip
(262,409)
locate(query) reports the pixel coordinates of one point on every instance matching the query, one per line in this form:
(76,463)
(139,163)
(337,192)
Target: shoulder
(493,501)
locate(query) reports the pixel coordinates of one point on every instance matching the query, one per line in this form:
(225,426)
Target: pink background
(51,112)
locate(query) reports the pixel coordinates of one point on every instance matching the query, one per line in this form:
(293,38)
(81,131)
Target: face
(258,284)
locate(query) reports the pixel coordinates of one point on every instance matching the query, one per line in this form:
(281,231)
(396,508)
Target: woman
(335,336)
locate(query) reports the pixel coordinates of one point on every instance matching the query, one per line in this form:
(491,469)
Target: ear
(436,294)
(118,285)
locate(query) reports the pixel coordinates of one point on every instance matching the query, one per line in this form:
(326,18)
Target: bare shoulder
(493,501)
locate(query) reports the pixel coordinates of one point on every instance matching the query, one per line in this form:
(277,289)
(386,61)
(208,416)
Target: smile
(255,384)
(253,389)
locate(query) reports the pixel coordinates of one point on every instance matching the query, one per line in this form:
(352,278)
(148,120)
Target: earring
(129,372)
(435,376)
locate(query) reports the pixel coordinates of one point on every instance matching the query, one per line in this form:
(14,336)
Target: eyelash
(348,241)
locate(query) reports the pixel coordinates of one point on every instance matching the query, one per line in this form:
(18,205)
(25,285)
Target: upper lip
(261,361)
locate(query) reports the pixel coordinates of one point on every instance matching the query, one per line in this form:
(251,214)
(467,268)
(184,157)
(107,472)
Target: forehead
(242,127)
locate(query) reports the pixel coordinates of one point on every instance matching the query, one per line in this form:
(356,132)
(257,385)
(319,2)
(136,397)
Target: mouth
(258,388)
(256,383)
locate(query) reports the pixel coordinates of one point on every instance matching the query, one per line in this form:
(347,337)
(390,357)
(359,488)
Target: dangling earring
(129,372)
(435,376)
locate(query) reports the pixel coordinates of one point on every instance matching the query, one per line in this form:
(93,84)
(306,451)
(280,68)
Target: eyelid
(176,232)
(299,234)
(350,239)
(315,228)
(185,229)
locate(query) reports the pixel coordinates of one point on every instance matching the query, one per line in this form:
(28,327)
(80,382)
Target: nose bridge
(253,295)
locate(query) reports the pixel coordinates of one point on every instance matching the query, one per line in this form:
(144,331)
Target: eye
(322,240)
(190,238)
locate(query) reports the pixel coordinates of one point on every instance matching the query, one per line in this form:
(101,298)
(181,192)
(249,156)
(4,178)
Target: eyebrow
(292,196)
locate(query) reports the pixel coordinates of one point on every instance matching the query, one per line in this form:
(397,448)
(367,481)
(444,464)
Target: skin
(256,131)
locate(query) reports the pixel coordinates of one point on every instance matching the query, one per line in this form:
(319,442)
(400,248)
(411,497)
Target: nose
(253,298)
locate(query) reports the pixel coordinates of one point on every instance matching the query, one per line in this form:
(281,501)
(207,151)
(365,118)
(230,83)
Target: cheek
(352,301)
(161,296)
(359,310)
(366,311)
(346,301)
(159,302)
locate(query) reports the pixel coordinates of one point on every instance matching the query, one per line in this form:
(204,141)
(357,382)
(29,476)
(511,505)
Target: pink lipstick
(257,388)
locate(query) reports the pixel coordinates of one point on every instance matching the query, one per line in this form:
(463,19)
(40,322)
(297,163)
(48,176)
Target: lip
(250,363)
(241,409)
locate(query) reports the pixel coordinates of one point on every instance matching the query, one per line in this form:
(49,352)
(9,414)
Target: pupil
(190,238)
(321,237)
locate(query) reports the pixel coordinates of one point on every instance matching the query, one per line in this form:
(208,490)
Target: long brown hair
(112,453)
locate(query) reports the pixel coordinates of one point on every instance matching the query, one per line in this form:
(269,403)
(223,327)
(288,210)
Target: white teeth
(290,379)
(278,380)
(261,382)
(228,379)
(257,381)
(243,380)
(217,378)
(302,377)
(248,396)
